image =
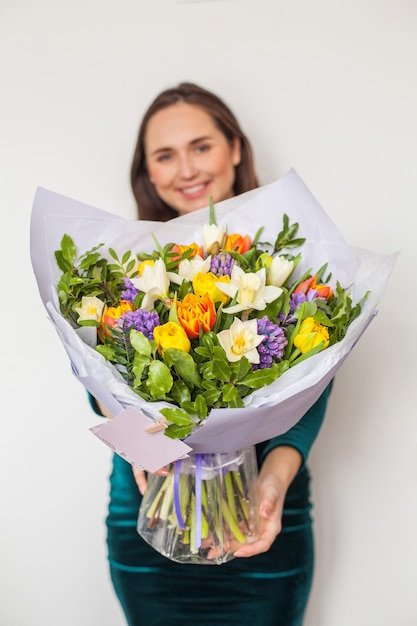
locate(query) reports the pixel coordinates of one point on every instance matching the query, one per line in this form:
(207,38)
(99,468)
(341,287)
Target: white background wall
(329,88)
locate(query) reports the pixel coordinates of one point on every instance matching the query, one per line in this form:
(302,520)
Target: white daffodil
(213,236)
(154,282)
(241,339)
(91,308)
(188,268)
(278,271)
(251,290)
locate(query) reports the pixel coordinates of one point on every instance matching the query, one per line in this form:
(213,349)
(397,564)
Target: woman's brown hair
(150,206)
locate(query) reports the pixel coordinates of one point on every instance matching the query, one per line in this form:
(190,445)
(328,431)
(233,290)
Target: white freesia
(154,282)
(278,271)
(241,339)
(91,308)
(251,290)
(213,235)
(188,268)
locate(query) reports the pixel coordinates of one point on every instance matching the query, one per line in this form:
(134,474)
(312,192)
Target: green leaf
(159,381)
(140,362)
(236,403)
(201,351)
(240,369)
(177,416)
(173,314)
(184,366)
(201,407)
(229,393)
(221,370)
(211,212)
(211,396)
(126,257)
(178,432)
(307,309)
(69,251)
(140,343)
(180,392)
(259,378)
(207,342)
(308,354)
(88,323)
(107,351)
(63,265)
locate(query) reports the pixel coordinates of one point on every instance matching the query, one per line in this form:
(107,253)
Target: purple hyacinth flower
(222,264)
(296,300)
(273,345)
(143,321)
(130,292)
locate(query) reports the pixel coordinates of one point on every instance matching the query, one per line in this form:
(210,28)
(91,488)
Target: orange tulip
(323,291)
(195,313)
(237,243)
(179,250)
(111,314)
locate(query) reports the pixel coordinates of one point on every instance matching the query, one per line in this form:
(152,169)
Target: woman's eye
(163,157)
(202,148)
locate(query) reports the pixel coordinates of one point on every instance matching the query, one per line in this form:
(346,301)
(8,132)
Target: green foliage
(91,274)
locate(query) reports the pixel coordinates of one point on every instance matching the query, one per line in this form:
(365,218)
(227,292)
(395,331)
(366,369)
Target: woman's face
(188,158)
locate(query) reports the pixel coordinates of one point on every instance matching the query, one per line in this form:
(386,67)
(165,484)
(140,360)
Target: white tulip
(213,235)
(278,271)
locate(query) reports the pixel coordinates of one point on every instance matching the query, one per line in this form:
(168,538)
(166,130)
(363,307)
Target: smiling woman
(191,147)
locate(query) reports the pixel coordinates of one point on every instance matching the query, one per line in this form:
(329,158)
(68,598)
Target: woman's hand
(277,473)
(140,477)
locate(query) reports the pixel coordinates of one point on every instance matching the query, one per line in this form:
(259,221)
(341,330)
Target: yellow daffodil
(154,282)
(241,339)
(251,290)
(143,264)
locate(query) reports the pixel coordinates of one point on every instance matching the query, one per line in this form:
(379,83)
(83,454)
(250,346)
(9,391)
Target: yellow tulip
(310,335)
(171,335)
(205,284)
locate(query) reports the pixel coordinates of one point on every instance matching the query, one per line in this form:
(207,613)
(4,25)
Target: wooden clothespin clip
(159,425)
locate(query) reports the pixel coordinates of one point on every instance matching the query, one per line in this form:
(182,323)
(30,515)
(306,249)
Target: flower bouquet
(218,337)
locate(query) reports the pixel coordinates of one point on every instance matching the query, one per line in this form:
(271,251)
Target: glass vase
(204,510)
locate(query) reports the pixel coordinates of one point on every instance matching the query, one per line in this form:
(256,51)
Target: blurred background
(329,88)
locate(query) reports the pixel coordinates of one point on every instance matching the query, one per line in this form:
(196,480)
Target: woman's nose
(187,167)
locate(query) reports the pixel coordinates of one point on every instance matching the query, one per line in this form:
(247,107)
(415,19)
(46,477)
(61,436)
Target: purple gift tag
(126,434)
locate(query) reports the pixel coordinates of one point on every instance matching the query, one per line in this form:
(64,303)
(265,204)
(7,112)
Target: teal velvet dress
(269,589)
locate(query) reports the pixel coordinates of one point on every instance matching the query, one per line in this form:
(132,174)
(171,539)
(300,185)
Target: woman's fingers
(141,480)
